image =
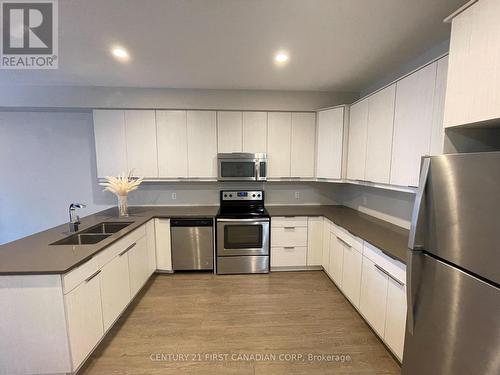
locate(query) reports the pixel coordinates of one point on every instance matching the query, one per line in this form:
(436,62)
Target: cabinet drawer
(289,221)
(75,277)
(288,256)
(392,266)
(113,250)
(349,239)
(289,236)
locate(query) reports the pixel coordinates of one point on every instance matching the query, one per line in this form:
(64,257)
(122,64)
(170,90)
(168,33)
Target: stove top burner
(242,204)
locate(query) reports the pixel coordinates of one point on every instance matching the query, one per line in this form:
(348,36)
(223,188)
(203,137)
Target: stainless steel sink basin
(107,227)
(82,239)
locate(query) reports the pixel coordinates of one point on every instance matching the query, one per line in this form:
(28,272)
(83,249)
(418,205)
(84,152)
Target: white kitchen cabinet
(84,319)
(254,131)
(412,125)
(336,261)
(303,138)
(314,241)
(373,296)
(288,256)
(151,244)
(171,127)
(138,265)
(279,133)
(202,144)
(379,135)
(110,142)
(115,288)
(395,322)
(163,245)
(229,131)
(474,71)
(325,256)
(140,130)
(358,124)
(329,139)
(437,130)
(351,273)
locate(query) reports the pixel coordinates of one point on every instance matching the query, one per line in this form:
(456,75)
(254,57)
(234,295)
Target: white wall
(47,161)
(129,97)
(393,206)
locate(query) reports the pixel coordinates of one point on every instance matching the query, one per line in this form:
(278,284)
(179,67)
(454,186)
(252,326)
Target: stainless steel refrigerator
(453,271)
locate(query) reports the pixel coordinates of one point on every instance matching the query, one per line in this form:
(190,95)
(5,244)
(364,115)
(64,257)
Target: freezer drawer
(453,321)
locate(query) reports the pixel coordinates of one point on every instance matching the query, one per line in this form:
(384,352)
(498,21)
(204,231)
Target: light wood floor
(279,313)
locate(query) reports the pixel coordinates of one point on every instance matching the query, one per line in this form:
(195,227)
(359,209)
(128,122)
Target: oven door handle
(261,220)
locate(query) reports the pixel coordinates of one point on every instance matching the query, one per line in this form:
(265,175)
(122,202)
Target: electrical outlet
(297,195)
(174,196)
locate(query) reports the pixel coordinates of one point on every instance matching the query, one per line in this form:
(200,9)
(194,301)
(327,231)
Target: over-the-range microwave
(242,166)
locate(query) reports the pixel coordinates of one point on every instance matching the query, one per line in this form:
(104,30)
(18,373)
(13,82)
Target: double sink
(94,234)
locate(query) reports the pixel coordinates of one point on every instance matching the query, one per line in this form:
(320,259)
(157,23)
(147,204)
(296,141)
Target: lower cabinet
(373,298)
(288,256)
(336,261)
(163,245)
(314,240)
(115,289)
(351,273)
(325,258)
(289,242)
(138,264)
(84,317)
(395,321)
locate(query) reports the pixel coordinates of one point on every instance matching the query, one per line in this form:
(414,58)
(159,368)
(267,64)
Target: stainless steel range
(242,233)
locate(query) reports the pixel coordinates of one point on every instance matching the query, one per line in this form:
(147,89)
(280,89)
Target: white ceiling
(334,45)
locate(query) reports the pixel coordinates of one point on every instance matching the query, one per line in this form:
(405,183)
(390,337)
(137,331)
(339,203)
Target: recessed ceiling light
(281,58)
(120,53)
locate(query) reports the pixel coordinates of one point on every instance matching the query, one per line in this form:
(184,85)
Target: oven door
(237,170)
(237,237)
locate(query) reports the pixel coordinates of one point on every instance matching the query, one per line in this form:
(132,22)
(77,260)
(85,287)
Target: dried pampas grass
(121,185)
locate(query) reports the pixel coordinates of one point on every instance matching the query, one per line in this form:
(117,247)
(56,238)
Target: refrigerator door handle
(417,208)
(412,282)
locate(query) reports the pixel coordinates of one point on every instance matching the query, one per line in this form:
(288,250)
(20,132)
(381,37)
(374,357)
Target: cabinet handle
(388,274)
(127,249)
(92,276)
(288,227)
(288,247)
(345,243)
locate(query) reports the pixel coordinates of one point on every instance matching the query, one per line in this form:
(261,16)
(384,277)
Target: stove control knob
(258,195)
(253,195)
(230,195)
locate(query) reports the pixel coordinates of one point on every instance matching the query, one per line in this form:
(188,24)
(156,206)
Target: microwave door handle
(257,170)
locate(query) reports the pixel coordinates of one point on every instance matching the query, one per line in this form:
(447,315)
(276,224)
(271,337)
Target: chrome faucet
(74,219)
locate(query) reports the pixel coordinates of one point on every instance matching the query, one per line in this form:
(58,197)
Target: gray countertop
(35,255)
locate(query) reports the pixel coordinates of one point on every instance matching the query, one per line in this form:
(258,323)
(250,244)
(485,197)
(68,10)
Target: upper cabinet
(302,145)
(254,131)
(125,141)
(329,138)
(379,135)
(413,120)
(358,124)
(472,93)
(229,131)
(202,144)
(171,128)
(279,136)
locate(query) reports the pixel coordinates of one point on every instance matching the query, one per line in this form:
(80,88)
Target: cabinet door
(351,274)
(303,145)
(110,144)
(254,132)
(84,316)
(138,265)
(151,243)
(412,125)
(314,241)
(140,129)
(329,137)
(172,144)
(336,261)
(163,245)
(229,131)
(288,256)
(356,152)
(395,322)
(325,261)
(379,135)
(115,289)
(373,297)
(437,132)
(202,144)
(279,132)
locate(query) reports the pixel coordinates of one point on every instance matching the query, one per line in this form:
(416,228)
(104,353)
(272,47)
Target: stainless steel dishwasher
(192,244)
